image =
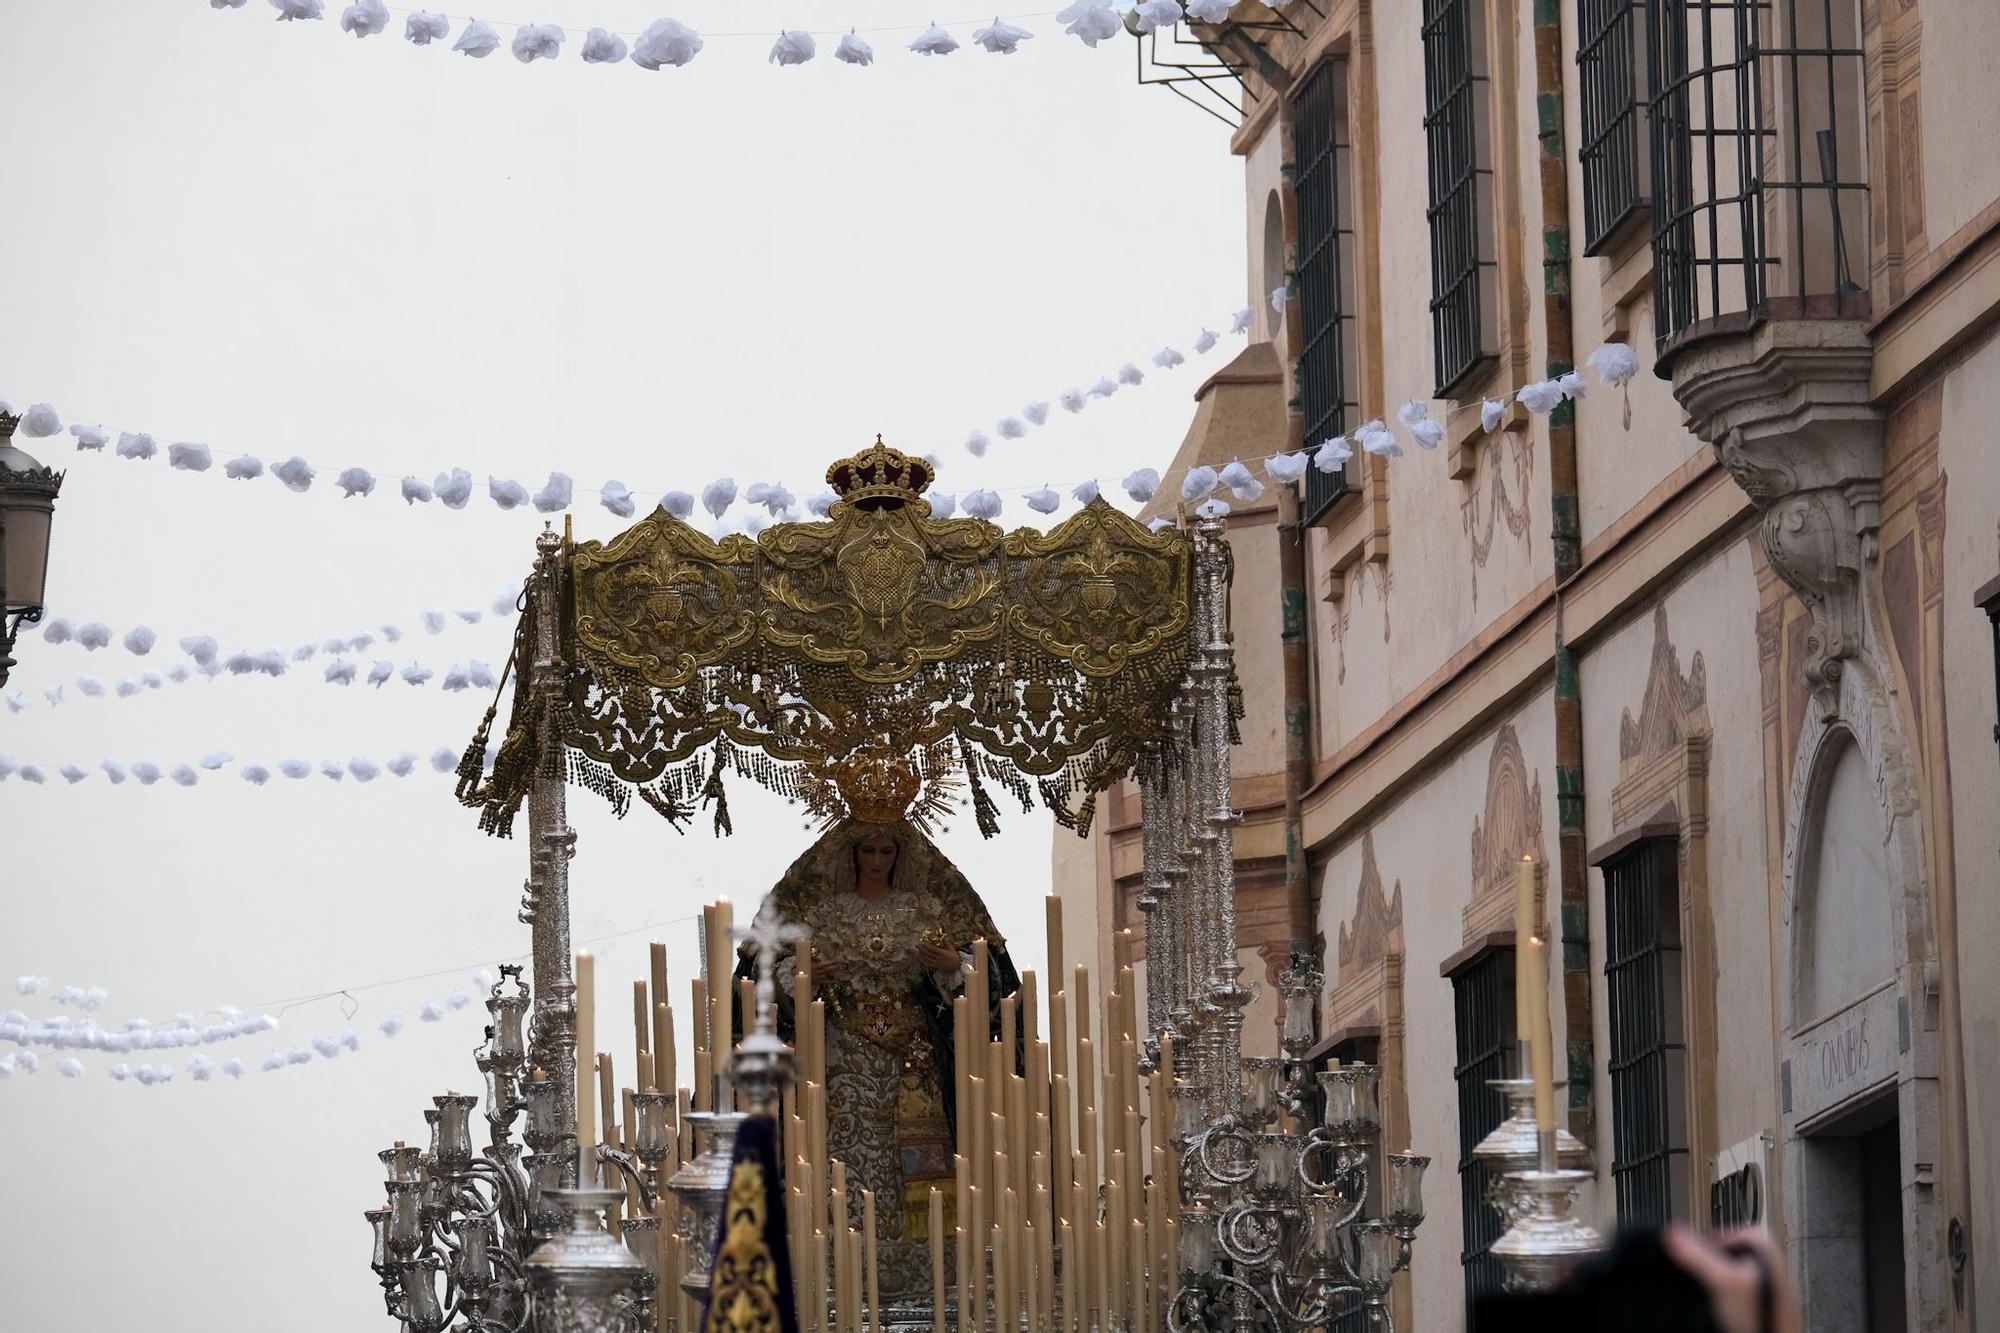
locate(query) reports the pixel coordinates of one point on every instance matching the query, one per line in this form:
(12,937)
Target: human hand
(938,958)
(1743,1277)
(825,967)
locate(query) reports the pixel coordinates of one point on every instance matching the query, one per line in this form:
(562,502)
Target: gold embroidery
(743,1293)
(1038,661)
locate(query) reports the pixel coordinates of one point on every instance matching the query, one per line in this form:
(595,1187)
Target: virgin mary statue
(891,924)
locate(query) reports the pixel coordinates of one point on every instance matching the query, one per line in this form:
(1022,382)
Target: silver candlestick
(702,1186)
(1272,1235)
(1544,1235)
(1514,1147)
(1548,1236)
(583,1277)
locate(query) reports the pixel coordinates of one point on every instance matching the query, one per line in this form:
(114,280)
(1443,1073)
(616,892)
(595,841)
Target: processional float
(1187,1188)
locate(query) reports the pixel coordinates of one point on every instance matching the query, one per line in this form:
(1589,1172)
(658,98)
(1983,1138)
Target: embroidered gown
(890,1062)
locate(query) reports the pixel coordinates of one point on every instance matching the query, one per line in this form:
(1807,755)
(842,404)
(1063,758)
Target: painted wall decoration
(1510,828)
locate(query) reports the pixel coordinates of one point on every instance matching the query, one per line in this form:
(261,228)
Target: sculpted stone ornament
(1786,405)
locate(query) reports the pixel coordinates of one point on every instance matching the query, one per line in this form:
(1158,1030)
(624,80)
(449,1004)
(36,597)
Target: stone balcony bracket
(1785,403)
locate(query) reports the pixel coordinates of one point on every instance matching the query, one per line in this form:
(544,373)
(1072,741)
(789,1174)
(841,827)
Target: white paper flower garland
(768,502)
(209,1027)
(59,1032)
(455,487)
(668,42)
(472,675)
(140,640)
(189,773)
(205,659)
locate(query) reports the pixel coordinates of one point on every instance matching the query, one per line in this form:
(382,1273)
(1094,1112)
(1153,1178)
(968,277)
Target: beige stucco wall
(1711,611)
(1423,842)
(1263,170)
(1255,617)
(1971,403)
(1629,439)
(1079,880)
(1961,115)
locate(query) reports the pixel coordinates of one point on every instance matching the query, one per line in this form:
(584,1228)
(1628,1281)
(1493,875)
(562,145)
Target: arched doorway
(1858,1083)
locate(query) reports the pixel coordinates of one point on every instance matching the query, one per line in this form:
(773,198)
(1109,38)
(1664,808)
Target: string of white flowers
(668,42)
(140,640)
(207,660)
(201,1068)
(471,675)
(771,502)
(56,1032)
(62,1033)
(454,488)
(296,768)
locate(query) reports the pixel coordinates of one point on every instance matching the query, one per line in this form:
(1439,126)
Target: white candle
(586,1070)
(1542,1044)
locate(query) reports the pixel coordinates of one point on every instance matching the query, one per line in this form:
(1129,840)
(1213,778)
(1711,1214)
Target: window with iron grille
(1642,976)
(1483,1003)
(1610,58)
(1988,600)
(1758,133)
(1457,116)
(1325,273)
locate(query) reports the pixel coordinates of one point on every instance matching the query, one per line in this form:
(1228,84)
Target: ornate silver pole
(551,843)
(1203,917)
(1215,674)
(1154,898)
(1184,872)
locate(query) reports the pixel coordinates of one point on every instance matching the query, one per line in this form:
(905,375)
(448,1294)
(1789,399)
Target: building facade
(1716,648)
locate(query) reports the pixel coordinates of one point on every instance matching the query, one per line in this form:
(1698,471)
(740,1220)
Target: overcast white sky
(275,239)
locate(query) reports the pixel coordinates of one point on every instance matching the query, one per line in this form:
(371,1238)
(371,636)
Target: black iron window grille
(1759,170)
(1988,600)
(1457,129)
(1642,975)
(1324,275)
(1483,1004)
(1610,60)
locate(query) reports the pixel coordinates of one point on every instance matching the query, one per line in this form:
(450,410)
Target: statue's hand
(825,967)
(938,958)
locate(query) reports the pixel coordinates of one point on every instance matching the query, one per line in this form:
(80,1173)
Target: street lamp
(27,503)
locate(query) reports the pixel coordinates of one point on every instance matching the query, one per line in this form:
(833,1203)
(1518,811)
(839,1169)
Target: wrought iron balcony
(1224,68)
(1757,125)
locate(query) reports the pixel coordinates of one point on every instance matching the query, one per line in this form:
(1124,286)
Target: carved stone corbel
(1786,405)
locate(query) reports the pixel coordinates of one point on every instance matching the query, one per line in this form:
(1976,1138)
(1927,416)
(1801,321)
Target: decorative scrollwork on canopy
(1039,661)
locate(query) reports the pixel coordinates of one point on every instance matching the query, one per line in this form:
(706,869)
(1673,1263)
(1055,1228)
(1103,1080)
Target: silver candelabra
(1274,1182)
(498,1241)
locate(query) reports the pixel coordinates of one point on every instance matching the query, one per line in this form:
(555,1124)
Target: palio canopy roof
(1038,661)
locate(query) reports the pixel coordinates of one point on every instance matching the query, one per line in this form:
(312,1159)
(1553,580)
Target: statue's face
(875,857)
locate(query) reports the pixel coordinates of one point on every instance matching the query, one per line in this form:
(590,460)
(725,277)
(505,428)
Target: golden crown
(888,477)
(877,786)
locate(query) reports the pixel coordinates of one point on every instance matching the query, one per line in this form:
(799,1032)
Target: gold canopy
(983,654)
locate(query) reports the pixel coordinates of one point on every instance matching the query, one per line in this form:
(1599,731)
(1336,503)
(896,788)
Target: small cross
(769,935)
